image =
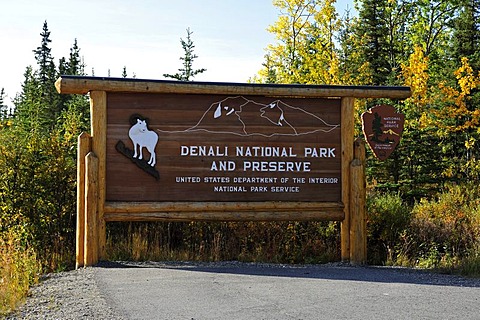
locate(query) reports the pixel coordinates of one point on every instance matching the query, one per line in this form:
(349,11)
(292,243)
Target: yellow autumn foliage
(456,115)
(415,73)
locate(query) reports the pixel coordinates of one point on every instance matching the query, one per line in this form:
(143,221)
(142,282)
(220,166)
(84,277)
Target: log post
(347,120)
(98,117)
(358,217)
(91,207)
(83,148)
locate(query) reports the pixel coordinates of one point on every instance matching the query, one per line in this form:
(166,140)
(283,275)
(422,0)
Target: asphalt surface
(233,290)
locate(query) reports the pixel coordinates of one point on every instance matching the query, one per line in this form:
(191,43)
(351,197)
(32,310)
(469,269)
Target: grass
(19,269)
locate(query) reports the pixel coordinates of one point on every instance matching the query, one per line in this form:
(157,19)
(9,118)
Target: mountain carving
(245,117)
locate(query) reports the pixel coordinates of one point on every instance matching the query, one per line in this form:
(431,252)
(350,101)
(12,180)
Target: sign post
(183,151)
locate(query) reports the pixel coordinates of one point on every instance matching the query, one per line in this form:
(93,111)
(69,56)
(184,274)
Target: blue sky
(144,35)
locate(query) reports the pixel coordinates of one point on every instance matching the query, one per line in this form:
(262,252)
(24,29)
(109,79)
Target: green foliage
(442,233)
(305,49)
(448,226)
(388,218)
(37,160)
(187,73)
(373,33)
(3,108)
(422,44)
(470,265)
(391,42)
(466,37)
(37,191)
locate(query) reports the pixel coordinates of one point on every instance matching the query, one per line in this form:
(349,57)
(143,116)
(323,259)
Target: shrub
(388,218)
(19,269)
(281,242)
(37,192)
(446,230)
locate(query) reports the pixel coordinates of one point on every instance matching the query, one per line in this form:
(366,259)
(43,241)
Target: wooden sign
(171,147)
(181,151)
(382,127)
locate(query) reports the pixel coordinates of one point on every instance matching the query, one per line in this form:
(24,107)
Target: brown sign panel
(382,127)
(207,147)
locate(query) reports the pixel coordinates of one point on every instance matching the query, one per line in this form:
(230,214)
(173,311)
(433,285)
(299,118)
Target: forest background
(423,202)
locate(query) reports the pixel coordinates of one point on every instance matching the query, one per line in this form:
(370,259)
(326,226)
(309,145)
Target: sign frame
(93,211)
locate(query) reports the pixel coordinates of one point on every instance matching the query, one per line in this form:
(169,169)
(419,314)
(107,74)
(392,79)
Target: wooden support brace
(98,112)
(358,217)
(91,210)
(84,147)
(347,115)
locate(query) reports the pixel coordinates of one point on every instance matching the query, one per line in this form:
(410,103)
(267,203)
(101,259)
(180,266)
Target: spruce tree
(43,55)
(187,73)
(37,164)
(373,31)
(75,63)
(466,34)
(46,75)
(3,107)
(465,43)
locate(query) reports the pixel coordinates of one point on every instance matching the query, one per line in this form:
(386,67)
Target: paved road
(261,291)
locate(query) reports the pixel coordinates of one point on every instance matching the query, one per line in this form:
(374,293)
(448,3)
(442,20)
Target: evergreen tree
(466,34)
(124,72)
(63,66)
(3,108)
(430,28)
(268,73)
(43,55)
(30,113)
(187,73)
(353,70)
(372,32)
(75,63)
(37,161)
(39,107)
(46,74)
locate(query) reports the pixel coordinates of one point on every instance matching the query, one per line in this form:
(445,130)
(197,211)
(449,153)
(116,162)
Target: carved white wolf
(142,137)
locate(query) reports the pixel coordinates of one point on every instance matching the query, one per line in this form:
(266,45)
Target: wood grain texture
(187,121)
(98,114)
(83,85)
(347,157)
(84,147)
(91,210)
(358,217)
(221,211)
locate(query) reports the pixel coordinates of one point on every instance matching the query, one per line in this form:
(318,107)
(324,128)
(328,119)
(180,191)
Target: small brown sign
(382,127)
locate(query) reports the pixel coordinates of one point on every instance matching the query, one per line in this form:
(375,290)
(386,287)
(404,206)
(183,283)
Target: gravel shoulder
(66,295)
(159,290)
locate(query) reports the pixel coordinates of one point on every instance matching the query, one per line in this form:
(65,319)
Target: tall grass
(441,233)
(19,269)
(280,242)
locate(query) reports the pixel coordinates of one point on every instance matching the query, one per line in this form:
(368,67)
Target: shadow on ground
(331,271)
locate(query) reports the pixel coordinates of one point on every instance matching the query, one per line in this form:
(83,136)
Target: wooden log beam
(98,112)
(347,116)
(84,147)
(91,207)
(136,207)
(222,211)
(358,217)
(83,85)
